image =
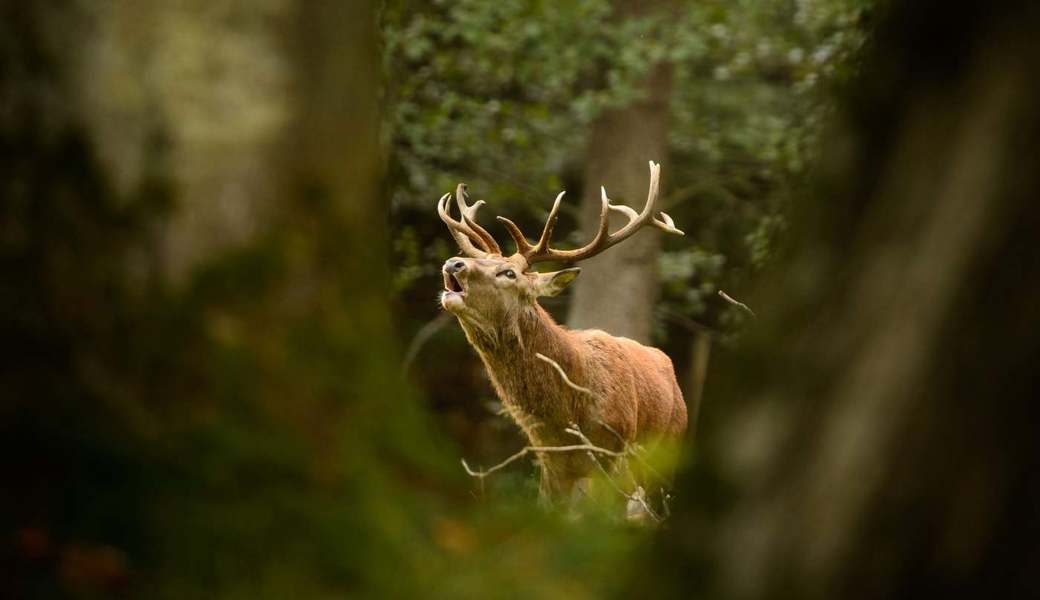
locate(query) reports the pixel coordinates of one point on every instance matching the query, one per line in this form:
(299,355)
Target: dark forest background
(225,373)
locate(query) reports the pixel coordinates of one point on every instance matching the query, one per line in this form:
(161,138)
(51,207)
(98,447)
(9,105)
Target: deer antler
(541,251)
(466,231)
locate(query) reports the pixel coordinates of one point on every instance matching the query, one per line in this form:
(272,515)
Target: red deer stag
(632,390)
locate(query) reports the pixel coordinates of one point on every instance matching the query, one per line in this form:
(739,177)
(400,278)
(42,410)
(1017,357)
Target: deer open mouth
(452,284)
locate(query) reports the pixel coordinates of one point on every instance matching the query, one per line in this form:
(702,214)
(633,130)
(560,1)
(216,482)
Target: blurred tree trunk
(195,94)
(618,289)
(879,437)
(206,418)
(697,374)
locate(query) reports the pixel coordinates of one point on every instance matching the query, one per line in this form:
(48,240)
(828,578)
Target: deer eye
(508,273)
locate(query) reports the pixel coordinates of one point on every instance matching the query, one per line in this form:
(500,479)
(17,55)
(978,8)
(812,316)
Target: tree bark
(617,290)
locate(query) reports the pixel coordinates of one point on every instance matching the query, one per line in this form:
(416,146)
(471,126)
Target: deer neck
(526,385)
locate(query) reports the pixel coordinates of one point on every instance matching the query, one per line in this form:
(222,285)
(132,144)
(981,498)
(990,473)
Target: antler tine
(462,234)
(550,224)
(604,239)
(523,247)
(637,221)
(469,217)
(666,224)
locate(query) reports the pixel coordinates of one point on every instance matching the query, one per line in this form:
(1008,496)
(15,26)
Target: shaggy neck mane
(527,386)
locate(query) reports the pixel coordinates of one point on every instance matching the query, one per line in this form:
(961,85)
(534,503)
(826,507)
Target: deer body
(624,391)
(633,391)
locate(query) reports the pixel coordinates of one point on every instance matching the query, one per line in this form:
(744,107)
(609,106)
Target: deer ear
(551,284)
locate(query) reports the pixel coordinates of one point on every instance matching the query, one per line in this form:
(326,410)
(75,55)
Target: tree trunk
(195,94)
(700,353)
(618,289)
(119,408)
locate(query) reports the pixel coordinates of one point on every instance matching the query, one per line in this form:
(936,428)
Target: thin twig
(621,439)
(626,448)
(563,375)
(638,452)
(537,450)
(587,447)
(424,334)
(634,496)
(687,323)
(738,304)
(635,451)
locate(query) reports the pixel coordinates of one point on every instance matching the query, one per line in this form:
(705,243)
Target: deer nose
(454,266)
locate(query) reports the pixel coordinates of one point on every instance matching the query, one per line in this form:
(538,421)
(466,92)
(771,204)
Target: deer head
(487,289)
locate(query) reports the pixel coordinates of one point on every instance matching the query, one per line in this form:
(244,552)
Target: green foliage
(500,94)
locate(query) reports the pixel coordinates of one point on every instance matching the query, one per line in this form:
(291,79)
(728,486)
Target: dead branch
(592,448)
(634,496)
(563,376)
(738,304)
(687,323)
(634,450)
(424,334)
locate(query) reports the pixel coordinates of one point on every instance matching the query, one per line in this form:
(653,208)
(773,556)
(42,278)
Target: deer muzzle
(454,290)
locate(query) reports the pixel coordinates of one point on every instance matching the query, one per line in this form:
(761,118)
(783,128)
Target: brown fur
(634,390)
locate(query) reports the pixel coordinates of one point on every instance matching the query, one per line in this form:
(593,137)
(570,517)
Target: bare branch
(563,375)
(635,495)
(639,453)
(635,451)
(422,336)
(687,323)
(738,304)
(619,437)
(539,450)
